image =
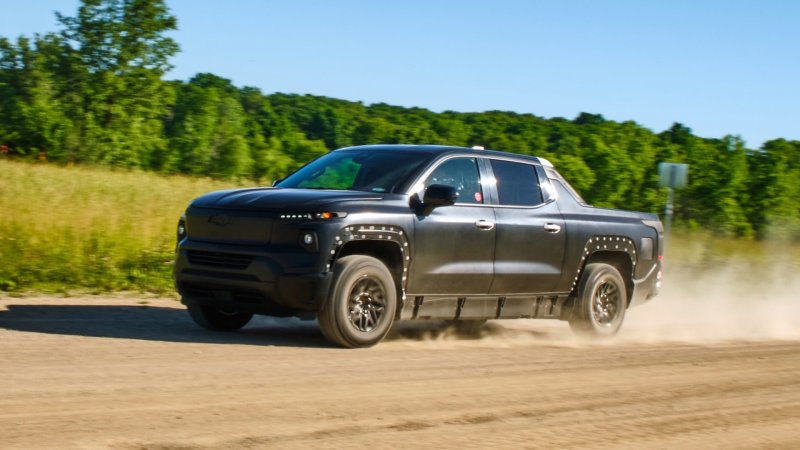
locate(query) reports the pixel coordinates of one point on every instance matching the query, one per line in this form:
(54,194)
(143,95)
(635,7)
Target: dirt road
(113,373)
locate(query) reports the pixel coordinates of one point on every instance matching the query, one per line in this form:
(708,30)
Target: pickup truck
(365,236)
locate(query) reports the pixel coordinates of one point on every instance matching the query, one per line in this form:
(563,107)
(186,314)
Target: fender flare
(374,232)
(595,244)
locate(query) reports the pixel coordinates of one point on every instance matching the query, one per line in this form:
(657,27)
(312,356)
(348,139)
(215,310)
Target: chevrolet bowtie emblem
(219,220)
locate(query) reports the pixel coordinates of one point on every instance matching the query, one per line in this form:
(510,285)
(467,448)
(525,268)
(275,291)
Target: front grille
(218,259)
(223,275)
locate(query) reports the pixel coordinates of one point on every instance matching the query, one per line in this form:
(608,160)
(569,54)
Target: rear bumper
(250,278)
(647,287)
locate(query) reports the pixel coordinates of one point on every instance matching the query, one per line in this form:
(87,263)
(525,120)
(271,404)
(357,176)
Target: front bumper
(256,279)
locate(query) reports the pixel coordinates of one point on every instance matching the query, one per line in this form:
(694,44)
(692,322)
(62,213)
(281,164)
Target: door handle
(552,228)
(484,224)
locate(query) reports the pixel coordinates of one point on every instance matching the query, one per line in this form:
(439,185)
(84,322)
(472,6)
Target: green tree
(208,131)
(774,186)
(118,52)
(31,105)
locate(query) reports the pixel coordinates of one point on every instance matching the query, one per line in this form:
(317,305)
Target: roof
(447,149)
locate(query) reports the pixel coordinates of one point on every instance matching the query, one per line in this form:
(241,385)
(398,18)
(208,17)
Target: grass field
(90,229)
(79,229)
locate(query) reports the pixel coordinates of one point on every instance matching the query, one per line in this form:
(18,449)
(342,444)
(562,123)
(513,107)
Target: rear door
(529,249)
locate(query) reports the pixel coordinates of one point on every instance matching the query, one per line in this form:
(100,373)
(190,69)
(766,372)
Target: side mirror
(437,195)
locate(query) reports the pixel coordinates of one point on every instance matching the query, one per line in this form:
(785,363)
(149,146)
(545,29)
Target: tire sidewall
(351,270)
(595,275)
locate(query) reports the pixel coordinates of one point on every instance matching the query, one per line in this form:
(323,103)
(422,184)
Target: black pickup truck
(368,235)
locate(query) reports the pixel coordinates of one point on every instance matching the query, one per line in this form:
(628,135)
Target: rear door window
(517,183)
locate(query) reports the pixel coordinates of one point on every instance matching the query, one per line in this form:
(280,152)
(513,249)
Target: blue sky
(718,67)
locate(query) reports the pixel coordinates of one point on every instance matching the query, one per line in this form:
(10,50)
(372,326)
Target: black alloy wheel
(367,304)
(600,302)
(361,306)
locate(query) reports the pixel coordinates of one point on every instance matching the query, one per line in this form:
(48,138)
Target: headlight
(325,215)
(181,229)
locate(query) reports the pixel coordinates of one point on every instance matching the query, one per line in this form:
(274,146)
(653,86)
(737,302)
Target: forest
(95,93)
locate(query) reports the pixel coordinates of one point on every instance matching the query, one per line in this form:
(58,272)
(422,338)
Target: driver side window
(462,174)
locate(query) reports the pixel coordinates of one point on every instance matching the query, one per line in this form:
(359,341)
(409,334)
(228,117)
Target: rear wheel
(600,303)
(218,319)
(361,307)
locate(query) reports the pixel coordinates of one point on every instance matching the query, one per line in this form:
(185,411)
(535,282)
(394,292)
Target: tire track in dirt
(108,373)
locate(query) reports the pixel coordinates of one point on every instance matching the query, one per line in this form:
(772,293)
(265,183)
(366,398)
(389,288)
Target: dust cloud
(736,302)
(728,303)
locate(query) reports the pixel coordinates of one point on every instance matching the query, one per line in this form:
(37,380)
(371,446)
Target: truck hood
(277,198)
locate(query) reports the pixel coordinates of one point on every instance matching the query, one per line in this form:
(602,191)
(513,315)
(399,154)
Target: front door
(454,245)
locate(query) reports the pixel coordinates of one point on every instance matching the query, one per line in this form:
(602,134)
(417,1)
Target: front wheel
(600,302)
(362,303)
(218,319)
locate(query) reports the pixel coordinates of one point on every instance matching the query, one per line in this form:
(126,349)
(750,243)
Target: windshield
(382,171)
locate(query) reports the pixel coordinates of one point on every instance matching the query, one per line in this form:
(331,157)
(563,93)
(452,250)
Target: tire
(361,305)
(217,319)
(600,304)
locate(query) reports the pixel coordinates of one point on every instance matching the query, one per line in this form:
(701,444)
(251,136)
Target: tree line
(94,93)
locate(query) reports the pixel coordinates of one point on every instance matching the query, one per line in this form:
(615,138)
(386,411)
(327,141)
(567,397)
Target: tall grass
(703,250)
(76,228)
(66,229)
